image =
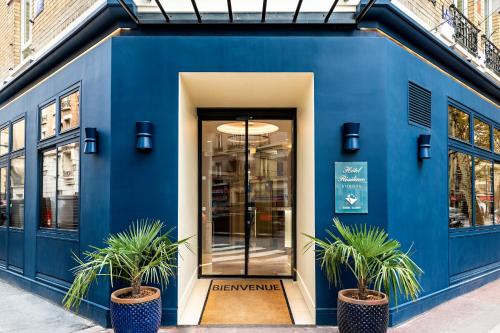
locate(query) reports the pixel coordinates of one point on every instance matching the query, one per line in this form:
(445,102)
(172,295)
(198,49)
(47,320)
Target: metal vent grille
(419,105)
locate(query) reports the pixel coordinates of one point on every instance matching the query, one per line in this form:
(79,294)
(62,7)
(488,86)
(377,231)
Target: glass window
(18,135)
(461,6)
(48,121)
(483,182)
(4,140)
(68,162)
(482,134)
(458,124)
(460,189)
(3,196)
(17,192)
(497,193)
(26,28)
(496,140)
(70,111)
(49,176)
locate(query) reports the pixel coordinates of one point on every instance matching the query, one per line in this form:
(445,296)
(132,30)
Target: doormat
(246,302)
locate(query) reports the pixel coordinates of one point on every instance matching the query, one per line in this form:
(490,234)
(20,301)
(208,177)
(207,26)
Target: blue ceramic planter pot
(141,315)
(360,316)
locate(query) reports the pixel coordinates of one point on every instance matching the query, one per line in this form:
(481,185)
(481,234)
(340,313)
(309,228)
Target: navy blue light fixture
(424,146)
(351,136)
(144,133)
(90,143)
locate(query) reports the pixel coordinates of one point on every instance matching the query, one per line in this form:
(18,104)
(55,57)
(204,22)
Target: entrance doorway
(246,192)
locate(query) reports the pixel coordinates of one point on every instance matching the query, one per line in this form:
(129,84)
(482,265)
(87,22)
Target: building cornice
(386,17)
(383,16)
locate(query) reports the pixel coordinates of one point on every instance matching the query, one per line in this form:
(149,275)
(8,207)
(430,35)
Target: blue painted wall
(418,190)
(358,78)
(349,86)
(45,256)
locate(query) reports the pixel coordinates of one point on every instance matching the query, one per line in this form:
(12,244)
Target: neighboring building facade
(248,107)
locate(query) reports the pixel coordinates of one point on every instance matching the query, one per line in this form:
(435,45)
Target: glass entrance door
(247,191)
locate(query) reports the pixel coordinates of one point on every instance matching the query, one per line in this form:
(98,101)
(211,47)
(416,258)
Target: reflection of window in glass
(483,182)
(48,121)
(481,134)
(17,192)
(3,196)
(497,193)
(18,135)
(70,111)
(461,5)
(460,189)
(49,176)
(67,186)
(458,124)
(496,140)
(4,140)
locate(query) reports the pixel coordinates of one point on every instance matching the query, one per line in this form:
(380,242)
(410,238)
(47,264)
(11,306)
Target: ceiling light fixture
(254,128)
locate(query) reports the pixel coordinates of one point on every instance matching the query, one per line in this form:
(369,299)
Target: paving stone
(475,312)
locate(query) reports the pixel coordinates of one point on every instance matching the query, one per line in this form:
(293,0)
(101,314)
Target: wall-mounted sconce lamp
(351,136)
(90,143)
(424,146)
(144,133)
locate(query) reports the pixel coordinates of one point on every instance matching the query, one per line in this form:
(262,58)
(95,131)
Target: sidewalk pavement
(475,312)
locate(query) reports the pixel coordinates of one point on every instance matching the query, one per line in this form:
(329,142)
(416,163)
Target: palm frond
(143,253)
(375,260)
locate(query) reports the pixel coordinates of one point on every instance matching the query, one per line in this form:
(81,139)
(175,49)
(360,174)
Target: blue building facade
(361,74)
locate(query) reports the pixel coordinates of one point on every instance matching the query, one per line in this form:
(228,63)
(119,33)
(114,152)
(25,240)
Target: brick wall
(427,11)
(495,37)
(56,16)
(10,15)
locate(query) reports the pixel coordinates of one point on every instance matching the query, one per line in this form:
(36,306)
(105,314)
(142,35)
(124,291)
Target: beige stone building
(29,26)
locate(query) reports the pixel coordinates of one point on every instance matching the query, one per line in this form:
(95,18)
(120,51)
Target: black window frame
(60,138)
(5,162)
(474,152)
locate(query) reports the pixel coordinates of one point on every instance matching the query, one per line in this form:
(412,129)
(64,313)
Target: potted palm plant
(140,256)
(381,269)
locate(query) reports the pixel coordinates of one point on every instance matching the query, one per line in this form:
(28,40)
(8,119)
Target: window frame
(2,127)
(40,180)
(5,162)
(492,132)
(495,127)
(56,99)
(23,26)
(471,124)
(59,139)
(11,144)
(58,110)
(474,151)
(39,123)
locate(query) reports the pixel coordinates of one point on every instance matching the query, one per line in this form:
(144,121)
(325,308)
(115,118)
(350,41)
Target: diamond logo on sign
(351,187)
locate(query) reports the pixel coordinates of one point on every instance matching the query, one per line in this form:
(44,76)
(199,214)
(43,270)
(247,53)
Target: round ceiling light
(254,128)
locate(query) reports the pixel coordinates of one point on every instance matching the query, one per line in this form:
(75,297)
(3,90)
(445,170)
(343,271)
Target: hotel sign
(351,187)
